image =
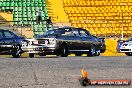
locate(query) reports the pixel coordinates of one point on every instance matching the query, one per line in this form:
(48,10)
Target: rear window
(8,34)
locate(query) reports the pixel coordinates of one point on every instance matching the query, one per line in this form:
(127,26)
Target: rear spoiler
(102,39)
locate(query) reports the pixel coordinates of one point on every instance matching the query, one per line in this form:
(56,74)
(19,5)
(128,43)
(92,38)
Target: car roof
(62,27)
(68,27)
(4,30)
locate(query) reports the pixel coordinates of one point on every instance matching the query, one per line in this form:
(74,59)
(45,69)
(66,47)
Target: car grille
(125,49)
(43,41)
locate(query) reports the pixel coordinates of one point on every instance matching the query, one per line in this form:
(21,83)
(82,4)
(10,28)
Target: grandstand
(24,13)
(100,17)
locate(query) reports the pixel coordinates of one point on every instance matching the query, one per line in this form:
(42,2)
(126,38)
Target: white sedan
(125,46)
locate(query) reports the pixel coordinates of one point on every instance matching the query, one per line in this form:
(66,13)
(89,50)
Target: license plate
(43,42)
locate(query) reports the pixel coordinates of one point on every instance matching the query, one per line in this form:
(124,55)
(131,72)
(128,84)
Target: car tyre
(57,52)
(128,54)
(16,56)
(92,51)
(17,52)
(57,55)
(64,51)
(31,55)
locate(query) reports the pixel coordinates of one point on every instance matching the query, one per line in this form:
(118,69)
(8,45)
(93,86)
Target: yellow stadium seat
(103,14)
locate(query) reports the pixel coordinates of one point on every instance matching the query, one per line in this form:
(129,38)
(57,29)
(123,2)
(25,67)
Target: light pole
(122,25)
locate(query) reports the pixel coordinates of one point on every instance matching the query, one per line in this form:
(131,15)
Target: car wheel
(31,55)
(92,51)
(78,54)
(64,51)
(97,52)
(128,54)
(17,52)
(57,52)
(57,55)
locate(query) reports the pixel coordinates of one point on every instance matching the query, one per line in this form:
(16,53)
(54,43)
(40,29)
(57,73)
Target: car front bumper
(39,49)
(124,50)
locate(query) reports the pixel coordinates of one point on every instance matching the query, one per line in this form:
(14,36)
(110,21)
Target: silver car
(64,41)
(125,46)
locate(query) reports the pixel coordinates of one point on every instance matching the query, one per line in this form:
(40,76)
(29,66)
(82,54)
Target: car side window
(8,34)
(76,32)
(1,35)
(67,32)
(83,33)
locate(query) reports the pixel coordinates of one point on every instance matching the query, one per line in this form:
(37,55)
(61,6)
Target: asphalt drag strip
(58,72)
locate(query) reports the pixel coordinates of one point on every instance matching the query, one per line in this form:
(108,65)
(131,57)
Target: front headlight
(52,41)
(35,42)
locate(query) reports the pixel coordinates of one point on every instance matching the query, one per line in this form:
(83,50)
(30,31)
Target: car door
(72,38)
(85,39)
(9,40)
(76,40)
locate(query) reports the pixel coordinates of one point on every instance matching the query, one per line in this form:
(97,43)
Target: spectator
(48,21)
(38,16)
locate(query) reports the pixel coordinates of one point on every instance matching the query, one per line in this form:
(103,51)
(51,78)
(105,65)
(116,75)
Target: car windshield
(54,32)
(59,32)
(130,39)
